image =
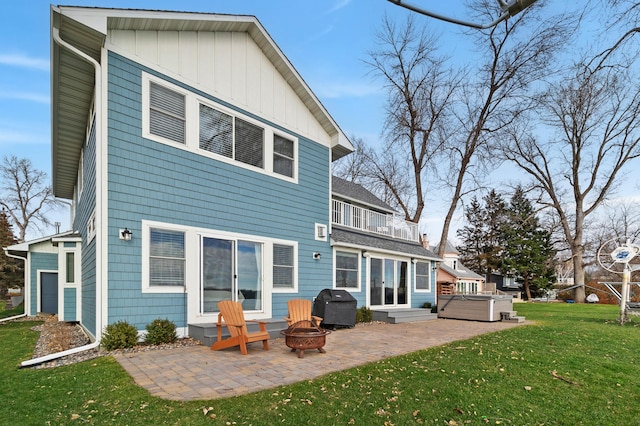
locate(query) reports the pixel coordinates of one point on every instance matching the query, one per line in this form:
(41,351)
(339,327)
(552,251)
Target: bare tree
(26,195)
(596,115)
(355,166)
(420,96)
(516,55)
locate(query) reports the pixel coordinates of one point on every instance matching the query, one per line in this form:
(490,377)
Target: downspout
(97,99)
(24,314)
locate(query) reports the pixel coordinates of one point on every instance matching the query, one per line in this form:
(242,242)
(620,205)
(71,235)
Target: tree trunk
(527,288)
(578,277)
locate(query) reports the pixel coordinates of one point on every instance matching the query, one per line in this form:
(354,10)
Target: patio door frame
(390,296)
(234,263)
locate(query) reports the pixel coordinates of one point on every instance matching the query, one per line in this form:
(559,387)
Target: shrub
(364,314)
(119,335)
(426,305)
(161,331)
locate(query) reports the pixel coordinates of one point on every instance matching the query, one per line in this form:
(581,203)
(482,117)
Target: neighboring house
(506,284)
(454,276)
(198,163)
(378,255)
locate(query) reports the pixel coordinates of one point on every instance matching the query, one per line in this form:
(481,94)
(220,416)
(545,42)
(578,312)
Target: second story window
(176,116)
(166,113)
(283,156)
(231,137)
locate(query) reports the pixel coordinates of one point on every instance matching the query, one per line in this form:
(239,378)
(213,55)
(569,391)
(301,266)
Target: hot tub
(476,307)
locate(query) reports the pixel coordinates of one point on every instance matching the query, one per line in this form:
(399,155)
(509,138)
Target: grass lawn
(575,366)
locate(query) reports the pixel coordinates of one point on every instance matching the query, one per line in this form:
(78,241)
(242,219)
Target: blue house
(198,164)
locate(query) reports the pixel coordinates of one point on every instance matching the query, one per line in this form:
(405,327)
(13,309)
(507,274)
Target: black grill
(336,307)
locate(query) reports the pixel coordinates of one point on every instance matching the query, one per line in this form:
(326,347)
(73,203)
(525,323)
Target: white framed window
(166,258)
(347,269)
(284,266)
(167,113)
(423,276)
(231,137)
(283,155)
(183,119)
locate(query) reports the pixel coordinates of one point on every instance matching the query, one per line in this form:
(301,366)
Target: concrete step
(403,315)
(515,320)
(208,333)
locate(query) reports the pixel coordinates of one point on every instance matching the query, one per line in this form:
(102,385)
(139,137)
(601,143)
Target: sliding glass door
(231,270)
(387,282)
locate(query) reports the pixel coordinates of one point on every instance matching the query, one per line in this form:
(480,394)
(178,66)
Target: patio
(197,372)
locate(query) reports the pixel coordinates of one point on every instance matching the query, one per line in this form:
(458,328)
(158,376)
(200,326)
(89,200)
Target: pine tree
(11,269)
(528,251)
(472,236)
(481,248)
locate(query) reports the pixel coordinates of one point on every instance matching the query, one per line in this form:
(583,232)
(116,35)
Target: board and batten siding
(227,65)
(153,181)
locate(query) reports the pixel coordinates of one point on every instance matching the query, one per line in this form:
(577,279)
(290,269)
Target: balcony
(361,219)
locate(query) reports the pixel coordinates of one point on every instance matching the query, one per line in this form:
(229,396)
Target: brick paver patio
(197,372)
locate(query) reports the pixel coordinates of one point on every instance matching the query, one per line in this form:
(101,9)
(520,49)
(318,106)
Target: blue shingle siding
(88,284)
(40,262)
(84,209)
(70,301)
(154,181)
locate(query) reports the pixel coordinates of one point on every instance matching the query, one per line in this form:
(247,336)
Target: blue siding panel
(153,181)
(70,301)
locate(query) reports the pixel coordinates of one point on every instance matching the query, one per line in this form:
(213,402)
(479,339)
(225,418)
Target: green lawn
(575,366)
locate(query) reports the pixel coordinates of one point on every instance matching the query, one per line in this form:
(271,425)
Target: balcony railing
(377,223)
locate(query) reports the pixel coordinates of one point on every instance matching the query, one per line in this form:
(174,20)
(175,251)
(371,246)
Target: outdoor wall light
(125,234)
(317,255)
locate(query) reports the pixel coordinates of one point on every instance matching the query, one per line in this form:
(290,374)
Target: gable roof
(84,30)
(357,192)
(461,272)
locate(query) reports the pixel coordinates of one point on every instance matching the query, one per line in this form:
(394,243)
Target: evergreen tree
(11,269)
(528,251)
(482,245)
(472,236)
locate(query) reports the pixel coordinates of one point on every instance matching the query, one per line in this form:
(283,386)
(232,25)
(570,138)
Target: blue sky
(325,40)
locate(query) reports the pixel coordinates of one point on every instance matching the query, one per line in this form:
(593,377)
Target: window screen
(282,266)
(167,113)
(166,258)
(422,276)
(346,270)
(282,156)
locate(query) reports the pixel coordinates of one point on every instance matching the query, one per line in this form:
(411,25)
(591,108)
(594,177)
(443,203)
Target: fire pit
(305,335)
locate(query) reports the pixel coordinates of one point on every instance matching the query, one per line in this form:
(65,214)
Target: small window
(166,113)
(422,276)
(283,267)
(283,156)
(347,270)
(71,267)
(166,258)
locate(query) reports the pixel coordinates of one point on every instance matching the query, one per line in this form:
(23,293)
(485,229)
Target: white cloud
(339,5)
(23,61)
